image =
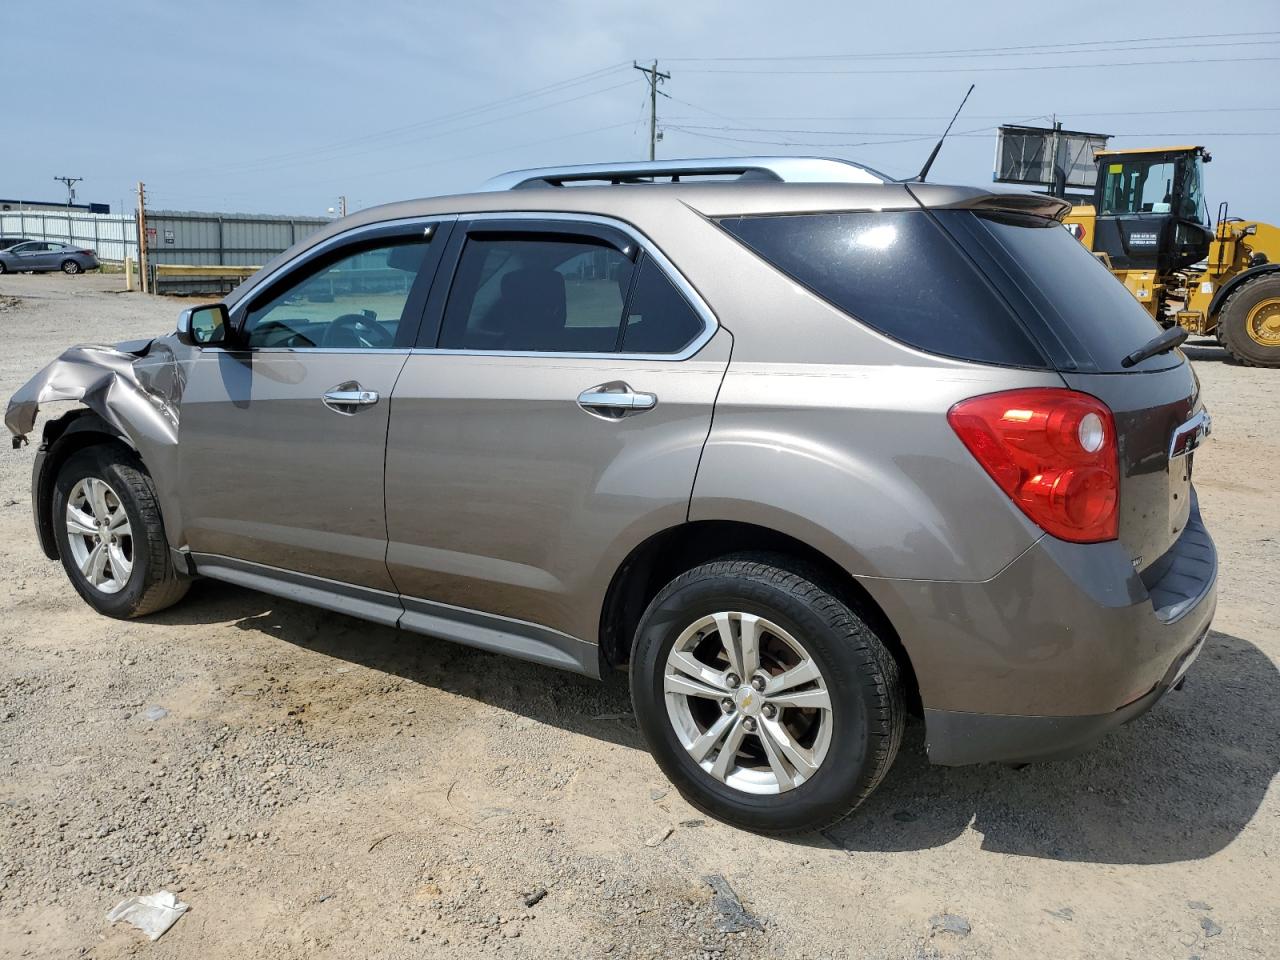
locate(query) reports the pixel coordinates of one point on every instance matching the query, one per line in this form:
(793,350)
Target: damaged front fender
(105,379)
(134,388)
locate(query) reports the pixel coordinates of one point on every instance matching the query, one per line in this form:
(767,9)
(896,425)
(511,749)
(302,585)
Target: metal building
(192,238)
(218,239)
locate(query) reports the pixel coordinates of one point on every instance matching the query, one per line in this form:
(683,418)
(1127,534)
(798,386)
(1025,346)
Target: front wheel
(1249,322)
(110,536)
(70,267)
(765,699)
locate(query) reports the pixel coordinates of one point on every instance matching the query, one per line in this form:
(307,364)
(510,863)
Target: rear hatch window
(1083,316)
(990,287)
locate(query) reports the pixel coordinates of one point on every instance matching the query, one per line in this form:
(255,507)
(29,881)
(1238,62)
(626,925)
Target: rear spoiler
(1051,207)
(994,200)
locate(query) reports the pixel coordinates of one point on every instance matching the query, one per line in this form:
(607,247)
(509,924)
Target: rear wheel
(3,268)
(110,536)
(766,700)
(70,267)
(1249,322)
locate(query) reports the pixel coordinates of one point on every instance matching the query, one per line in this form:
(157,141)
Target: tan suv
(801,447)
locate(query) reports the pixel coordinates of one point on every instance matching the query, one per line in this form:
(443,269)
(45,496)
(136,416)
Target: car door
(30,256)
(283,431)
(50,258)
(535,437)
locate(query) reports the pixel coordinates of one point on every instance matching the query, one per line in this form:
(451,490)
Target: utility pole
(654,77)
(342,205)
(71,187)
(142,237)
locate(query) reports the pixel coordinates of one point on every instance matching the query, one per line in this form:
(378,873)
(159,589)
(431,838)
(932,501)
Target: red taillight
(1053,452)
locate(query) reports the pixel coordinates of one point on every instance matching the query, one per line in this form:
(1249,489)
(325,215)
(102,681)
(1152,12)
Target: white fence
(111,235)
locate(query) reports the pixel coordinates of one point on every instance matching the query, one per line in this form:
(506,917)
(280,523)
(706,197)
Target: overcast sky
(282,105)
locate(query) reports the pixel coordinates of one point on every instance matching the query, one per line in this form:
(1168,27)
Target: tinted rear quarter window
(659,318)
(898,273)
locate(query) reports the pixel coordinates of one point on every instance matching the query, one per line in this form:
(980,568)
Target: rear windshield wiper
(1162,342)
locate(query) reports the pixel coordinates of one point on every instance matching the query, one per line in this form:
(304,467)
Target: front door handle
(347,398)
(611,401)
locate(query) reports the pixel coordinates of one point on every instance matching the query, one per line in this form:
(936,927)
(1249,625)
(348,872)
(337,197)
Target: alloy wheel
(99,535)
(1263,323)
(748,702)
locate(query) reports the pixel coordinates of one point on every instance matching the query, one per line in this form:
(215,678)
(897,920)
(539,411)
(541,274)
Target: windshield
(1138,186)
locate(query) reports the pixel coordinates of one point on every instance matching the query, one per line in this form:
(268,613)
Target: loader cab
(1151,213)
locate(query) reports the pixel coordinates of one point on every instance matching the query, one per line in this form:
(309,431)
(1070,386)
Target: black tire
(868,708)
(153,584)
(71,268)
(1233,322)
(3,268)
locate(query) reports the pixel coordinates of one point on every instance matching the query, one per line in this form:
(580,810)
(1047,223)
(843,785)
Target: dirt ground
(322,787)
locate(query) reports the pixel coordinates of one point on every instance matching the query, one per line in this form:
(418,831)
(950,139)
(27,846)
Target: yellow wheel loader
(1150,225)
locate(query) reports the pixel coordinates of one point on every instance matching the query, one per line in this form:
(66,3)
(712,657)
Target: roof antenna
(924,171)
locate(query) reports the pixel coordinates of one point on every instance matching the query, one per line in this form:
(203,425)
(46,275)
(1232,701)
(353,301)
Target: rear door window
(900,274)
(553,294)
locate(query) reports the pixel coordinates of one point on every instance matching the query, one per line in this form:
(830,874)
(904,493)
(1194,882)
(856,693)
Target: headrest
(540,285)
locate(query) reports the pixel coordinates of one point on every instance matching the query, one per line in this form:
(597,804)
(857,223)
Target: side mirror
(204,326)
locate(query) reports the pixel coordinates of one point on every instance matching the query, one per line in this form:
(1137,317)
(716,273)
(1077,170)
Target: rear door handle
(346,398)
(614,400)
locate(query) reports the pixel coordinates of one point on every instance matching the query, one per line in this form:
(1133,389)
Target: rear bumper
(1065,644)
(956,739)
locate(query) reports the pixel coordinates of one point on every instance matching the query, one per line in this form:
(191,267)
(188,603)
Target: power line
(1042,66)
(790,143)
(833,133)
(391,132)
(468,112)
(703,109)
(350,155)
(980,116)
(1105,45)
(981,132)
(505,148)
(905,133)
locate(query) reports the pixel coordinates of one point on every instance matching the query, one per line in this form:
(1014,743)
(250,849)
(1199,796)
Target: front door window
(355,303)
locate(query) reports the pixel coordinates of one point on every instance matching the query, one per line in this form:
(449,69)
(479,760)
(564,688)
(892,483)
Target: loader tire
(1249,322)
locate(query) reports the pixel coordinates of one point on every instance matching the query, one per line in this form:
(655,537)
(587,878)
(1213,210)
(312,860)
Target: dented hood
(134,386)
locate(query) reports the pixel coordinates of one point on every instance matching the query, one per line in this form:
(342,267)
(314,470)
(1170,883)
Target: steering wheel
(356,330)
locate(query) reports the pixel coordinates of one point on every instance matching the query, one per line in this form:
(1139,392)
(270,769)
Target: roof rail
(779,169)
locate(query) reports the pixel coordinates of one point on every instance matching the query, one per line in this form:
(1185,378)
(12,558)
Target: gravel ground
(313,785)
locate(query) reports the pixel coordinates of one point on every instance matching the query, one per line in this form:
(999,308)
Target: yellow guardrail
(187,270)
